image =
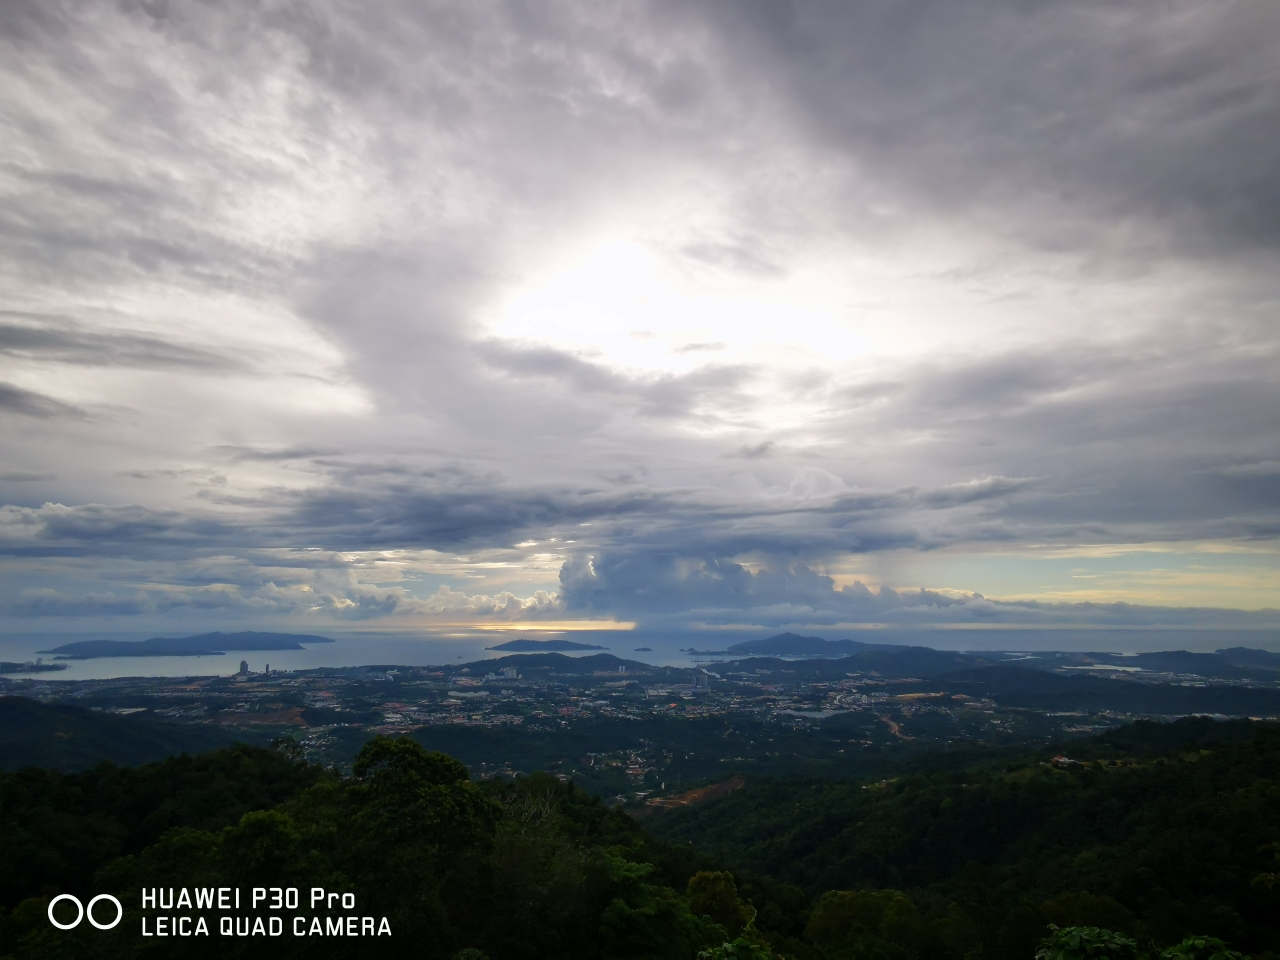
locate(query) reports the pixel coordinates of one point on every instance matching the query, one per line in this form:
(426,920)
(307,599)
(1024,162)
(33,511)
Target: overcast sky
(682,314)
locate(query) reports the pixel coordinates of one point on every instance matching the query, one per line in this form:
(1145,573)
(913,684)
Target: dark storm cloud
(445,519)
(451,511)
(674,590)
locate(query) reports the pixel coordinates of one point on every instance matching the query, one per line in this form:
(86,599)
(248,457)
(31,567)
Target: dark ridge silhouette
(539,646)
(66,738)
(205,645)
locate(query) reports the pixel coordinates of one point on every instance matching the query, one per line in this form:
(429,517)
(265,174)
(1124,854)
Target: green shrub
(1087,943)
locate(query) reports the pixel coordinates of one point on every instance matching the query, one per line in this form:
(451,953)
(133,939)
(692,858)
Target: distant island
(791,645)
(542,646)
(205,645)
(7,666)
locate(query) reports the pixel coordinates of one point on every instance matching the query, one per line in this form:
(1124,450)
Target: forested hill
(57,831)
(1165,827)
(67,738)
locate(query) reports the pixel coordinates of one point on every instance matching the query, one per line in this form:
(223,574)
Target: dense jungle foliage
(1156,831)
(1160,832)
(69,738)
(529,869)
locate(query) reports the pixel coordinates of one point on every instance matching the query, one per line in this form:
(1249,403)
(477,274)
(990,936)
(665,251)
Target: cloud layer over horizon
(717,313)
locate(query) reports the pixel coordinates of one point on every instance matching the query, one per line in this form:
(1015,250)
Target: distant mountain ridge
(1232,663)
(205,645)
(1248,657)
(794,645)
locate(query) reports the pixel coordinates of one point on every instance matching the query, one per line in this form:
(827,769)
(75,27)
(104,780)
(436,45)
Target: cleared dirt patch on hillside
(690,797)
(291,717)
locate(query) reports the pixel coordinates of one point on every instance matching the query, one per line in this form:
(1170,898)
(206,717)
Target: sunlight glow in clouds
(623,305)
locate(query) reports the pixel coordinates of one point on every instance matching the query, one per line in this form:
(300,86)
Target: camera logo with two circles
(82,911)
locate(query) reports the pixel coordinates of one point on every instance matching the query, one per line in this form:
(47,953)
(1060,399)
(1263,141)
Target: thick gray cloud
(1159,112)
(678,590)
(292,292)
(28,403)
(55,340)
